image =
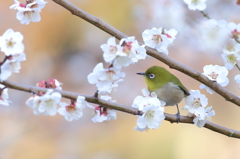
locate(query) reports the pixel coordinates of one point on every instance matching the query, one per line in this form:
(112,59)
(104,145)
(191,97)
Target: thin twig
(205,15)
(120,107)
(238,67)
(229,96)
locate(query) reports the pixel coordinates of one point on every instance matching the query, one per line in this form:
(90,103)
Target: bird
(167,86)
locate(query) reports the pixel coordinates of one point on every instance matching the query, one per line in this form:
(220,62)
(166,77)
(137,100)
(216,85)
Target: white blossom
(4,96)
(195,100)
(234,30)
(72,111)
(231,55)
(217,74)
(110,50)
(33,102)
(123,54)
(196,106)
(11,65)
(152,108)
(101,113)
(146,100)
(159,39)
(29,12)
(105,79)
(140,53)
(202,115)
(152,118)
(45,104)
(196,4)
(11,42)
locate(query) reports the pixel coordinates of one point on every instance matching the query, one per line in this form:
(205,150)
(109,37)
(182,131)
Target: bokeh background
(67,48)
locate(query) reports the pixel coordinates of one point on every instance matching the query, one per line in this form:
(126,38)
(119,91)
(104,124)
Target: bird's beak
(143,74)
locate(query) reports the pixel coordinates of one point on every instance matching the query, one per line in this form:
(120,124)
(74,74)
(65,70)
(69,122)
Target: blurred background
(67,48)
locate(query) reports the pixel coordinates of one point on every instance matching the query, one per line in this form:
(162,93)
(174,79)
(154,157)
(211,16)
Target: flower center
(196,103)
(232,58)
(10,43)
(195,2)
(28,14)
(213,75)
(70,108)
(50,103)
(149,114)
(157,38)
(113,49)
(127,46)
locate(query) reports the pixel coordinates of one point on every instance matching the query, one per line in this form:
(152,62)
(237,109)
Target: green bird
(167,86)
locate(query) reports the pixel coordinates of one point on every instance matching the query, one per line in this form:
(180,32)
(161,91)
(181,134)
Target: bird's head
(156,76)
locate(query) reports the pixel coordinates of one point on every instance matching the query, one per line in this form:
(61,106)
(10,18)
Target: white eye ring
(151,76)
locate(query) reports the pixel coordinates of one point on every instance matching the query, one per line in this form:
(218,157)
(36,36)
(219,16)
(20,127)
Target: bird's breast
(170,93)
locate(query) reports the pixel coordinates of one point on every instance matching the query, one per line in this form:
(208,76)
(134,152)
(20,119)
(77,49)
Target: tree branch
(120,107)
(229,96)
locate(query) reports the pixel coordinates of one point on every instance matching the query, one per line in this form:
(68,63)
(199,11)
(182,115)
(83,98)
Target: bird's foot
(178,117)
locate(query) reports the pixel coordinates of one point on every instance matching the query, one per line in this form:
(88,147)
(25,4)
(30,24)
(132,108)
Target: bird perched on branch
(167,86)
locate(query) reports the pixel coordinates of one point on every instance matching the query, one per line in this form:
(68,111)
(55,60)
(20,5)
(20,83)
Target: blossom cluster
(49,103)
(196,106)
(120,55)
(159,39)
(12,46)
(30,11)
(152,109)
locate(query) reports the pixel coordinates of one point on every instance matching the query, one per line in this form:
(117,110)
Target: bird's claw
(178,117)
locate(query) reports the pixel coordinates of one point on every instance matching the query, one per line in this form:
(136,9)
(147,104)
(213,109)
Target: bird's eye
(151,76)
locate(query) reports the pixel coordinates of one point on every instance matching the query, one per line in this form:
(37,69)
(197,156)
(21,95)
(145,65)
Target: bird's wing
(184,90)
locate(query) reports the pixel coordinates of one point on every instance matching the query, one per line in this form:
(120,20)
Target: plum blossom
(4,96)
(202,115)
(231,55)
(73,111)
(11,65)
(29,12)
(11,42)
(159,39)
(152,109)
(147,99)
(151,118)
(234,30)
(217,74)
(101,113)
(196,4)
(195,100)
(110,50)
(105,79)
(45,104)
(128,51)
(196,106)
